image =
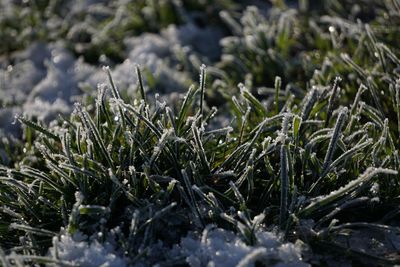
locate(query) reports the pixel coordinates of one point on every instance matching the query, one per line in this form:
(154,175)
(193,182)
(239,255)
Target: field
(199,133)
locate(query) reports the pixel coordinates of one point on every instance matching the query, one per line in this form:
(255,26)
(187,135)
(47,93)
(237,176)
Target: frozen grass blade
(258,107)
(149,124)
(346,58)
(158,215)
(278,84)
(202,88)
(93,131)
(194,205)
(349,153)
(158,149)
(187,102)
(332,146)
(389,52)
(140,83)
(38,128)
(354,106)
(358,202)
(378,52)
(114,91)
(311,98)
(199,148)
(230,22)
(356,185)
(238,195)
(243,124)
(284,174)
(332,100)
(32,230)
(101,104)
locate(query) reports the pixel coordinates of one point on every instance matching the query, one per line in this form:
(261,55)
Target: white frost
(219,247)
(84,254)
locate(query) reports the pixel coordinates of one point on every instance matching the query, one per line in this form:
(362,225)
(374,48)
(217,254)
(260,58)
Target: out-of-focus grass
(95,29)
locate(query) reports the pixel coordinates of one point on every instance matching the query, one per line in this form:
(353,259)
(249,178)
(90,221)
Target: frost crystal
(85,254)
(219,247)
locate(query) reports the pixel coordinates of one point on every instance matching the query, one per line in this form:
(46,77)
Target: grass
(95,32)
(308,149)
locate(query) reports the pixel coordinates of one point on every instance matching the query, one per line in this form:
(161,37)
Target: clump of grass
(119,160)
(131,169)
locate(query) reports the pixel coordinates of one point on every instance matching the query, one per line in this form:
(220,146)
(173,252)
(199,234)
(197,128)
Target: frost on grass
(74,250)
(210,165)
(219,247)
(215,247)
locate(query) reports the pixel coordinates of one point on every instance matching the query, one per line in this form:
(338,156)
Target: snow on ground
(214,247)
(46,79)
(42,82)
(219,247)
(82,253)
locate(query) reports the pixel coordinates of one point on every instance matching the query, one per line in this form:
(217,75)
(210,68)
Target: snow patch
(85,254)
(219,247)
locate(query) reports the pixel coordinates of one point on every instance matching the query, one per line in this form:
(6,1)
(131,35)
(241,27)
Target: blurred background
(51,51)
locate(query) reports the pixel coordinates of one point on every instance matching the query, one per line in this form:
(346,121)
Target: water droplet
(116,118)
(332,29)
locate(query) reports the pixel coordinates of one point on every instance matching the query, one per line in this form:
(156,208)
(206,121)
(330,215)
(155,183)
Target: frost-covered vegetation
(284,152)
